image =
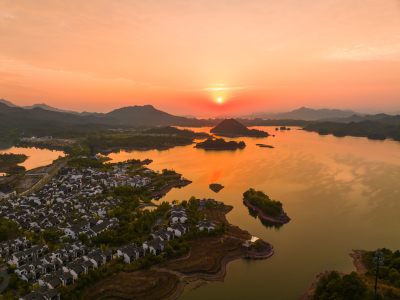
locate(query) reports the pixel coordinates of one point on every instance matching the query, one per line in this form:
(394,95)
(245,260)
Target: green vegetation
(263,202)
(134,225)
(9,163)
(220,144)
(333,286)
(126,140)
(52,237)
(169,130)
(85,162)
(8,230)
(389,272)
(16,287)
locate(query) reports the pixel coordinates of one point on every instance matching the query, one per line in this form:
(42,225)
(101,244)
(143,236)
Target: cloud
(220,87)
(6,16)
(366,52)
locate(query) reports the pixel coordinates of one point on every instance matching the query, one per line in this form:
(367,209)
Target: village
(75,204)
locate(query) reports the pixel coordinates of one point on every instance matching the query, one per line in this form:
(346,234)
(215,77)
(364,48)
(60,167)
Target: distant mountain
(8,103)
(384,118)
(307,114)
(43,106)
(147,115)
(233,128)
(40,120)
(50,108)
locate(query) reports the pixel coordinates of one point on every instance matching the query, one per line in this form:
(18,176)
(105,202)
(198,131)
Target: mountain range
(41,119)
(306,114)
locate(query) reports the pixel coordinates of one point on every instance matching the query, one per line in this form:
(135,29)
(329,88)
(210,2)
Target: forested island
(266,209)
(220,144)
(233,128)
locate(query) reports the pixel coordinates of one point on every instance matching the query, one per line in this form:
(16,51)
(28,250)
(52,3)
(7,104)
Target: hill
(233,128)
(147,115)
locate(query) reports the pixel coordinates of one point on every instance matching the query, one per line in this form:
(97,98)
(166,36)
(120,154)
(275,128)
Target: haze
(203,57)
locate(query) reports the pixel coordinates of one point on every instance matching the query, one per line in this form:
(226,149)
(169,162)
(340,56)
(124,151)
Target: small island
(220,144)
(266,209)
(233,128)
(216,187)
(265,146)
(282,128)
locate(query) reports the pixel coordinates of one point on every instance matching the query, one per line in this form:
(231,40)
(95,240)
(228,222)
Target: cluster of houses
(35,264)
(68,202)
(177,228)
(73,203)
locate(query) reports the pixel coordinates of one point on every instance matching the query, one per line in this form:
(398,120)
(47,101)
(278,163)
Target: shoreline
(282,219)
(199,266)
(358,264)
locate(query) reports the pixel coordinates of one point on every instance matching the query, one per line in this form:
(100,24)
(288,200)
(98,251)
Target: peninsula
(360,283)
(9,163)
(266,209)
(105,244)
(233,128)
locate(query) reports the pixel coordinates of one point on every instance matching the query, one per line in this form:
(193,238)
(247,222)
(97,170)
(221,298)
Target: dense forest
(220,144)
(262,201)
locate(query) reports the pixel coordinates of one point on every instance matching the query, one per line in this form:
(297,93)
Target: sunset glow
(176,55)
(220,100)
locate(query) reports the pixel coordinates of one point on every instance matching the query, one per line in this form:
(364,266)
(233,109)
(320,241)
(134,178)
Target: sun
(220,100)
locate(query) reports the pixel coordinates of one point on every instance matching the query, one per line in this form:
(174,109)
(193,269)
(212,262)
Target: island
(265,146)
(216,187)
(282,128)
(220,144)
(267,210)
(233,128)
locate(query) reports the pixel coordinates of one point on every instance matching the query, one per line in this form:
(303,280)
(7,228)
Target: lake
(36,157)
(341,193)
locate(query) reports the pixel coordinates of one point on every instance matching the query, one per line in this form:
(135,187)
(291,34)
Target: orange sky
(181,55)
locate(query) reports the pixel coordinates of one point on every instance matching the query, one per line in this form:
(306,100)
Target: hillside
(17,121)
(233,128)
(147,115)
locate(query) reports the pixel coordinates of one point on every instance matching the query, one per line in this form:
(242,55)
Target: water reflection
(264,222)
(36,157)
(341,194)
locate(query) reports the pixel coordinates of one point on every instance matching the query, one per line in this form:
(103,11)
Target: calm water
(341,193)
(36,157)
